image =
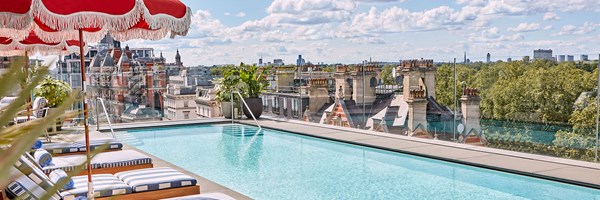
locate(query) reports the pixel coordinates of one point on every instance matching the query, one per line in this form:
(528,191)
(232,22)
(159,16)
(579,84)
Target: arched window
(373,82)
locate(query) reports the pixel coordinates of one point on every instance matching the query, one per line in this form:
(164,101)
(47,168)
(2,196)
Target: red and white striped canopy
(58,20)
(34,45)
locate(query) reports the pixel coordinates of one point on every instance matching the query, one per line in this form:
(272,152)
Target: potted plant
(255,83)
(56,92)
(224,86)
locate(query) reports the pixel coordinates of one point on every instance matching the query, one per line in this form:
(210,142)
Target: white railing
(107,117)
(247,107)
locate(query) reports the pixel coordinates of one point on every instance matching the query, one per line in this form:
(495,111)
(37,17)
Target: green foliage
(540,91)
(228,83)
(445,82)
(17,139)
(55,91)
(386,75)
(255,80)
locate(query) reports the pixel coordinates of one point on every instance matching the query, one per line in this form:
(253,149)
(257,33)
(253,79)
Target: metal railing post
(249,110)
(107,117)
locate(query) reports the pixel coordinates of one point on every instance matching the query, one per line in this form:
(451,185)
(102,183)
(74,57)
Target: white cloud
(525,27)
(550,16)
(586,28)
(240,14)
(227,13)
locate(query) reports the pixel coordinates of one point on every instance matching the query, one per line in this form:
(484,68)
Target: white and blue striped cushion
(155,179)
(57,176)
(110,159)
(79,146)
(94,144)
(119,159)
(104,185)
(43,157)
(58,148)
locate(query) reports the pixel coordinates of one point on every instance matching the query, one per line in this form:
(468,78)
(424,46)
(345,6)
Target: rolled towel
(60,175)
(42,157)
(37,144)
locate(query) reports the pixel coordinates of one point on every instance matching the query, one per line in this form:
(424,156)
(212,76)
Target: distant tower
(489,58)
(260,61)
(299,61)
(465,60)
(178,59)
(161,57)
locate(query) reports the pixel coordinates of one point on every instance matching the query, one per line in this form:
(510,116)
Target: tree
(445,82)
(386,75)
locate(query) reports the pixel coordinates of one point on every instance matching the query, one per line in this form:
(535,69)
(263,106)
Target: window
(186,115)
(185,104)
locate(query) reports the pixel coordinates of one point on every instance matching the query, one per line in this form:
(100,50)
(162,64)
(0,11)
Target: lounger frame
(157,194)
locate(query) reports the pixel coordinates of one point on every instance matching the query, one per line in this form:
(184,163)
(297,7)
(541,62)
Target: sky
(350,31)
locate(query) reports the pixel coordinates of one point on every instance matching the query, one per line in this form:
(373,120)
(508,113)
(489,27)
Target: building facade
(542,54)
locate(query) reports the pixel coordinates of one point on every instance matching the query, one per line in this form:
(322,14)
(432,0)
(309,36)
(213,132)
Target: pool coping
(549,168)
(539,166)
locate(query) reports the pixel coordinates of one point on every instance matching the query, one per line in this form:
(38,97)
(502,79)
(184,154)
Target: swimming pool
(280,165)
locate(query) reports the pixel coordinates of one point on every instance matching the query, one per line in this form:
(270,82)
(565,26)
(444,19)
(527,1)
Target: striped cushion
(155,179)
(94,144)
(119,159)
(58,148)
(104,185)
(43,157)
(66,163)
(23,119)
(29,181)
(79,146)
(102,160)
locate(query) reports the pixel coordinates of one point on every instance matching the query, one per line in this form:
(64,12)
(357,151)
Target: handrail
(107,117)
(247,107)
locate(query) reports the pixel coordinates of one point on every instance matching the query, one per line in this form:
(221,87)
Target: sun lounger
(78,147)
(103,163)
(30,181)
(205,196)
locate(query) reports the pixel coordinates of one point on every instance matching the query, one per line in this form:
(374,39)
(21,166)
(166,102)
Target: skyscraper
(489,58)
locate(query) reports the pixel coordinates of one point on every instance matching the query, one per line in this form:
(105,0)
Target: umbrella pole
(26,80)
(90,192)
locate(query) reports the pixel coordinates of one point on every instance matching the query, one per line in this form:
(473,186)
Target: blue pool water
(280,165)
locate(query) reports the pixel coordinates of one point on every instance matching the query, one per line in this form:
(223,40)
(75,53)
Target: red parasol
(124,19)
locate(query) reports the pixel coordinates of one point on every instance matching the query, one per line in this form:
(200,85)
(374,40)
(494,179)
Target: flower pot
(226,109)
(256,107)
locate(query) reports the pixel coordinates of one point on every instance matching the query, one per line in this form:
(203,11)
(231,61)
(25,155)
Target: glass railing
(538,107)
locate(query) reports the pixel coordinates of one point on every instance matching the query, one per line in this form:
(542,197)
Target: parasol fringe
(165,21)
(90,37)
(139,33)
(18,49)
(15,20)
(15,34)
(84,20)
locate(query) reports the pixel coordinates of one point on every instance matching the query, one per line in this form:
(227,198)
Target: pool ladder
(247,107)
(107,117)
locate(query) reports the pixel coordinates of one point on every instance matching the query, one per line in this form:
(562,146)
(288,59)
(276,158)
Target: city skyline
(349,31)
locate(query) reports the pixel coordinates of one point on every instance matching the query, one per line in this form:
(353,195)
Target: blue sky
(349,31)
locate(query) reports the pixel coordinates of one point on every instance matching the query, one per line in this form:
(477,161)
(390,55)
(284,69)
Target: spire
(178,58)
